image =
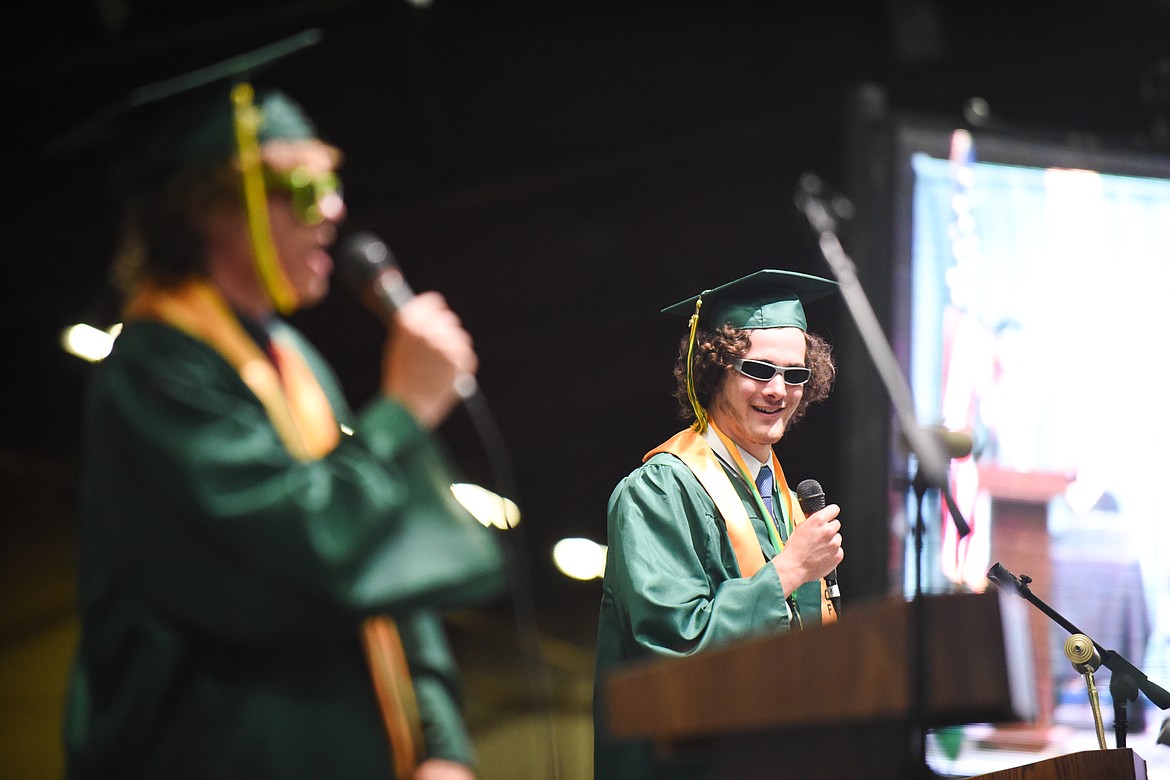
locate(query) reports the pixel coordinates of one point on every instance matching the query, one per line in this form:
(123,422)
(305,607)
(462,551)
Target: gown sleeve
(437,688)
(198,507)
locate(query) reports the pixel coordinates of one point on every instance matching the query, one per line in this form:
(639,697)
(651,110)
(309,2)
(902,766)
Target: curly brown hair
(714,351)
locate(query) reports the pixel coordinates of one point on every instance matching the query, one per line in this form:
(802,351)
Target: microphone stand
(1126,679)
(932,467)
(1122,690)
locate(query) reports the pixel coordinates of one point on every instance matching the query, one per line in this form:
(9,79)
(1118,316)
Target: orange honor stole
(693,450)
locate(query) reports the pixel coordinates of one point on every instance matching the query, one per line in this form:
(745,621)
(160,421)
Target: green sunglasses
(308,191)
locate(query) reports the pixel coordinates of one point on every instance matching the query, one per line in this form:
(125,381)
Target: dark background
(561,171)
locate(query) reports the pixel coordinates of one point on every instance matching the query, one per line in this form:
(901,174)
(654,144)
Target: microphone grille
(361,257)
(1079,649)
(811,496)
(809,488)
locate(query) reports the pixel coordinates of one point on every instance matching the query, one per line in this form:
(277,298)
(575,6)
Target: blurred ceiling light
(581,559)
(489,508)
(89,343)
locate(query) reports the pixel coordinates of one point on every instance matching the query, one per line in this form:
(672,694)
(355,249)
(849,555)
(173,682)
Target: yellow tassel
(247,124)
(700,413)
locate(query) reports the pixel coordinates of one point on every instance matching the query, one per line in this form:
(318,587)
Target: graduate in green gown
(699,553)
(260,566)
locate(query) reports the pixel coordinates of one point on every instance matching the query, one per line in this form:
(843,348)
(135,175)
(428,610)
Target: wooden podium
(839,702)
(1122,764)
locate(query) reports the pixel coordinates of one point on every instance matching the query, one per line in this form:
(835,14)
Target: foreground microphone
(368,268)
(812,499)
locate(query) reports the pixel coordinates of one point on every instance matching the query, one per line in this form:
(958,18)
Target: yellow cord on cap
(247,120)
(700,413)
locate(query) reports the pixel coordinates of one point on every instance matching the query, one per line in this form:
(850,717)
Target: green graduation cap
(189,120)
(764,299)
(199,120)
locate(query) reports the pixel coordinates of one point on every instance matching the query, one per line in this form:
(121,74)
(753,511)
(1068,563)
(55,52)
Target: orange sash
(692,449)
(394,690)
(295,403)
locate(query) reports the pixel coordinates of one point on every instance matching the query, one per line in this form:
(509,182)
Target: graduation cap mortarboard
(163,128)
(201,119)
(764,299)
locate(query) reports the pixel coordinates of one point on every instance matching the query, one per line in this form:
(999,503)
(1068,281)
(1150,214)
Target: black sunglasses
(763,371)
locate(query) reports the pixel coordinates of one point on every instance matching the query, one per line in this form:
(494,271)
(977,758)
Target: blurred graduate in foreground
(259,565)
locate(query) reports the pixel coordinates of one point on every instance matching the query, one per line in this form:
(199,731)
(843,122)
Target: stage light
(581,559)
(89,343)
(490,509)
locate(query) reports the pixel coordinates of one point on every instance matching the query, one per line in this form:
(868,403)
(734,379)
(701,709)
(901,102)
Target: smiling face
(755,414)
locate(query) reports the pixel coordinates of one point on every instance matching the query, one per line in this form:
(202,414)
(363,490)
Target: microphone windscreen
(360,258)
(811,496)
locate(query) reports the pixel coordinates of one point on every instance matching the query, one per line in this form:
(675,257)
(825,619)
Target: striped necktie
(766,484)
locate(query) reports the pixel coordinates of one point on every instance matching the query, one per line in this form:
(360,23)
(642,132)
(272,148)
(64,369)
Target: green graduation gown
(672,587)
(223,582)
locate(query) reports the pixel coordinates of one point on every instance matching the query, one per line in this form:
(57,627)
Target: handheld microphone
(812,499)
(369,268)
